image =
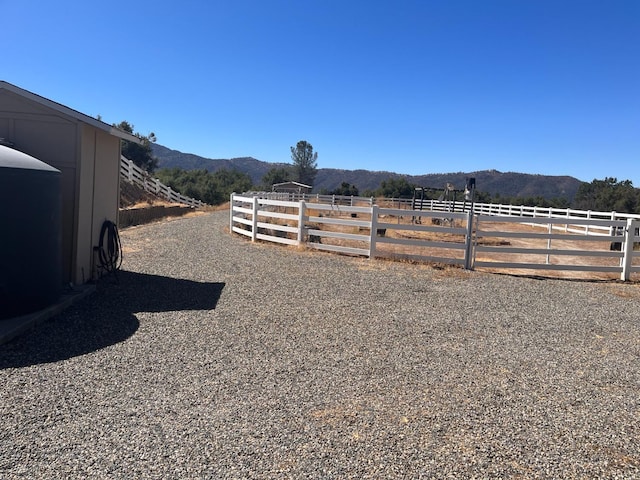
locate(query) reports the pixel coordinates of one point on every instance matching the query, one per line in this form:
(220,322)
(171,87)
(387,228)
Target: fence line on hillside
(467,238)
(137,176)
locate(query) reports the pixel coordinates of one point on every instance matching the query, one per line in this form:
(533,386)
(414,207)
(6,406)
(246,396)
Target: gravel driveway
(216,358)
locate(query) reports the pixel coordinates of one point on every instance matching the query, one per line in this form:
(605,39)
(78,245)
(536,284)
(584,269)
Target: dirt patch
(626,290)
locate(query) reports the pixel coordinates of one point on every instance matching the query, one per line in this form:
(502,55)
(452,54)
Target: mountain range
(506,184)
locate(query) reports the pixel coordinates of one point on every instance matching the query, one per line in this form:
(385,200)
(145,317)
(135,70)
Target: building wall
(98,193)
(88,159)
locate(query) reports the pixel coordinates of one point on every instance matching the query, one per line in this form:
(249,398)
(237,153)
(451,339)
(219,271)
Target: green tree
(608,195)
(212,188)
(395,188)
(483,197)
(276,175)
(140,154)
(228,181)
(345,189)
(304,162)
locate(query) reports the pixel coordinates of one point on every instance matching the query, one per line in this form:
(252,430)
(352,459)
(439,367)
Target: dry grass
(152,203)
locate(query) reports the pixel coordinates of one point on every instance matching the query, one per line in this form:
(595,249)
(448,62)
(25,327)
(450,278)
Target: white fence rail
(453,206)
(482,238)
(134,174)
(435,236)
(551,250)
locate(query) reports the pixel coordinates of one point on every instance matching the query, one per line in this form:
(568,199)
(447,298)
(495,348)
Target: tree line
(215,188)
(600,195)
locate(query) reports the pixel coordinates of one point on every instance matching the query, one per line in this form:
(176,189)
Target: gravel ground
(216,358)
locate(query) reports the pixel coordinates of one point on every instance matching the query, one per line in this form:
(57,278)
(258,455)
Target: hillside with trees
(213,180)
(608,195)
(212,188)
(507,184)
(255,169)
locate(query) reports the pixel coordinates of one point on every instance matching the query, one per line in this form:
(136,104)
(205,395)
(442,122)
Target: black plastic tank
(30,234)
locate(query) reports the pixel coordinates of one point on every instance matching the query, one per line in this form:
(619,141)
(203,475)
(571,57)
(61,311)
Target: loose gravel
(212,357)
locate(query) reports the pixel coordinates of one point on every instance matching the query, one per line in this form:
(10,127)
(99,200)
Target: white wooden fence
(553,250)
(450,205)
(134,174)
(480,238)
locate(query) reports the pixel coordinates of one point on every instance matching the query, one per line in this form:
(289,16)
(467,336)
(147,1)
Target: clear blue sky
(410,86)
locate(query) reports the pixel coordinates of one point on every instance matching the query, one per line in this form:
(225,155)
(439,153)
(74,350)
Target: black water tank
(30,234)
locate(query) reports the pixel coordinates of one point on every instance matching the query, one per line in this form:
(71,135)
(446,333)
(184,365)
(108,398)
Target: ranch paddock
(492,238)
(212,357)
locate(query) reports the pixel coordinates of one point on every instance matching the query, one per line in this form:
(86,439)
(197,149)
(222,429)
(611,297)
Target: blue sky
(432,86)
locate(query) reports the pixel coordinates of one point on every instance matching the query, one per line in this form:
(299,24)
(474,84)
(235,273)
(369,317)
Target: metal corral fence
(589,243)
(134,174)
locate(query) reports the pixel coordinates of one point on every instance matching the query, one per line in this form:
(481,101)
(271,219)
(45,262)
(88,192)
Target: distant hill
(167,158)
(509,184)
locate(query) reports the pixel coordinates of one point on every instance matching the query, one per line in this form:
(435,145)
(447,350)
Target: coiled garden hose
(109,248)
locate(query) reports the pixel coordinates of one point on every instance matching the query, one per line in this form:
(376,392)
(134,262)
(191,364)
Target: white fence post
(627,248)
(254,220)
(301,214)
(231,212)
(374,231)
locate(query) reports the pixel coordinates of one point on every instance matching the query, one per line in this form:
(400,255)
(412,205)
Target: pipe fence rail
(457,233)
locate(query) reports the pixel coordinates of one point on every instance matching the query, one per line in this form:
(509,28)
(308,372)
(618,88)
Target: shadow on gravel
(107,317)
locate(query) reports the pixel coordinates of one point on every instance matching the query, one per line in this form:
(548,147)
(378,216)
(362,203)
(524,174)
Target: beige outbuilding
(291,187)
(87,153)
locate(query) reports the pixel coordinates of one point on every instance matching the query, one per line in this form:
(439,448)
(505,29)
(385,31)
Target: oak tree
(140,154)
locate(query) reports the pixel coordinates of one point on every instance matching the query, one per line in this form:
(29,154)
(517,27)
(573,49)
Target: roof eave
(94,122)
(298,184)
